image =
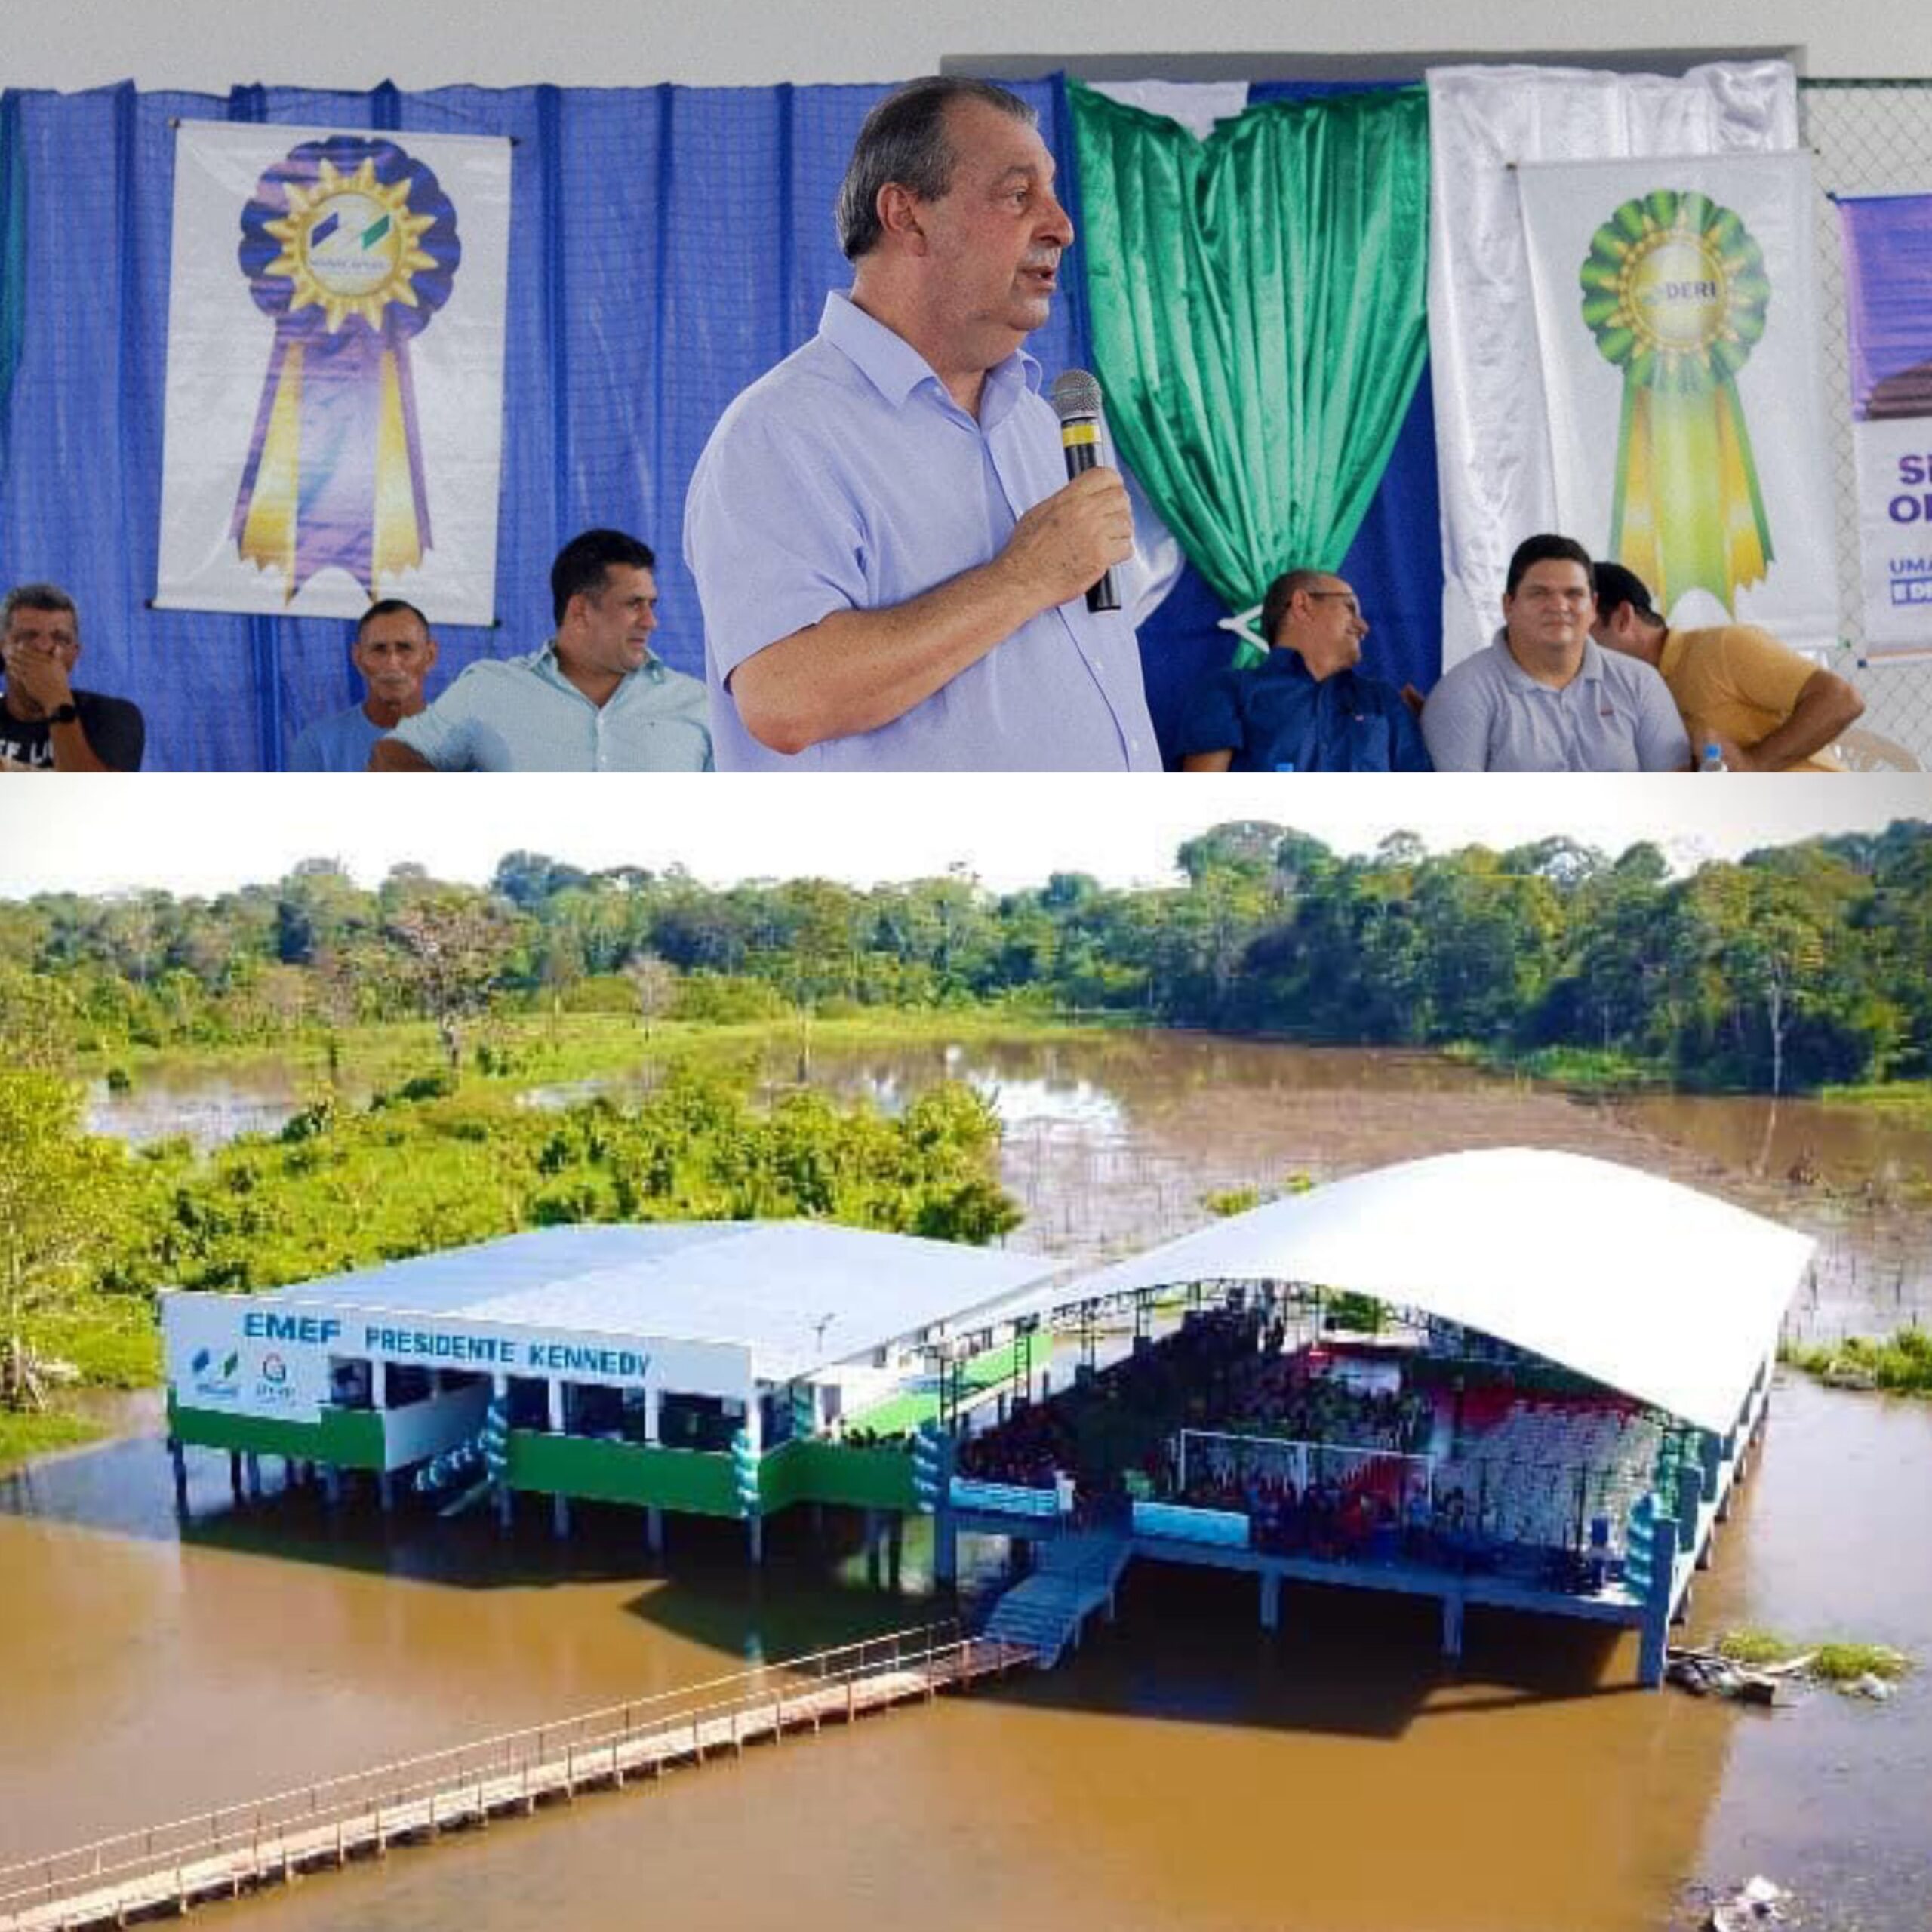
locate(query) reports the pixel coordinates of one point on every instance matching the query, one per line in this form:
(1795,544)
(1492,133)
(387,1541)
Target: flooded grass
(1833,1662)
(23,1436)
(1904,1099)
(1901,1365)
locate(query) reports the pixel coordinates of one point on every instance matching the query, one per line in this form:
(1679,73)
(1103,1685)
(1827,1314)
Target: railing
(1003,1498)
(419,1794)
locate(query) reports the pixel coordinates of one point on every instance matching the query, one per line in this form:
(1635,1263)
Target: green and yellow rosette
(1675,293)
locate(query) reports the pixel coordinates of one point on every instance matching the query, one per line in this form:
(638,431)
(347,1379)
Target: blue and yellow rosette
(351,247)
(1675,293)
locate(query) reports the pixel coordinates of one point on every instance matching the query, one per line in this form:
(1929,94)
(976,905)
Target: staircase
(1075,1576)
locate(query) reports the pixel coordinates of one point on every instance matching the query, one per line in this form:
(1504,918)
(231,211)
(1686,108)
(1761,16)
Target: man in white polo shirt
(1545,697)
(594,699)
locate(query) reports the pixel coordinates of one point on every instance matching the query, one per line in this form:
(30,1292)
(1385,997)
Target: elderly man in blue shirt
(1305,708)
(394,652)
(891,563)
(594,699)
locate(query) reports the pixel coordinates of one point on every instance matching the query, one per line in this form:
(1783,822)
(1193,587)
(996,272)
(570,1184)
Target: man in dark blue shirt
(1305,708)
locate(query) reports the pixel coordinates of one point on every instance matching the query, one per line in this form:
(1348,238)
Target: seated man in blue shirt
(594,699)
(1305,708)
(393,651)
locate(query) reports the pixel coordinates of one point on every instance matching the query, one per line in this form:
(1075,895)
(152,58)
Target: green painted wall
(697,1482)
(694,1480)
(350,1439)
(700,1481)
(819,1471)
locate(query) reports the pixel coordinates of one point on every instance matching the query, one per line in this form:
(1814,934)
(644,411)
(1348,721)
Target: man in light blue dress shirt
(594,699)
(1545,697)
(394,652)
(892,564)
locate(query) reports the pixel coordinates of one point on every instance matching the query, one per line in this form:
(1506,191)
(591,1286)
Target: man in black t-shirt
(45,723)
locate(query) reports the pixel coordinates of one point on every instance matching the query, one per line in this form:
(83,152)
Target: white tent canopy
(1643,1285)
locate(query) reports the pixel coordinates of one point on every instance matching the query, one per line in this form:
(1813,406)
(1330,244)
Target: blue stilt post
(1690,1506)
(1658,1608)
(1271,1599)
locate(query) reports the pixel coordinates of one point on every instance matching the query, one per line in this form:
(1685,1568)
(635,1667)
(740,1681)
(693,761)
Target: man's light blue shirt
(340,742)
(522,714)
(1488,714)
(848,479)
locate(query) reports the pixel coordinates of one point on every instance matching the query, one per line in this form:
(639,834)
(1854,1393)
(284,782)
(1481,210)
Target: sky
(205,834)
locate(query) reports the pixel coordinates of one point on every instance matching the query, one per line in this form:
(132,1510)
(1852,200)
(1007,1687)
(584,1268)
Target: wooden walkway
(220,1854)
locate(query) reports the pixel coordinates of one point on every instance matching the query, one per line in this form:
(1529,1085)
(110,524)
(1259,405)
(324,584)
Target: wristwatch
(64,714)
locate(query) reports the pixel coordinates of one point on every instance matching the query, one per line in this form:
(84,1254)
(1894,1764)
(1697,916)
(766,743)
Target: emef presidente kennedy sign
(453,1347)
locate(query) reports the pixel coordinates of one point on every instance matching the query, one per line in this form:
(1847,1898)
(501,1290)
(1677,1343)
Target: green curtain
(1257,315)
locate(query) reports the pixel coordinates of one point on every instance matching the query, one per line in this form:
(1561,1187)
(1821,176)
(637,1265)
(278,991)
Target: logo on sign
(215,1379)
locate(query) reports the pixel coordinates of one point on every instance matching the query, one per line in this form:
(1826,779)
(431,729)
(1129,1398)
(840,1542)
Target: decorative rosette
(351,247)
(1675,293)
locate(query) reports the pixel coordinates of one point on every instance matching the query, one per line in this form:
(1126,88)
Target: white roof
(1645,1285)
(800,1295)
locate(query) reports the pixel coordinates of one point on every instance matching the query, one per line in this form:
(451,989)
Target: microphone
(1076,400)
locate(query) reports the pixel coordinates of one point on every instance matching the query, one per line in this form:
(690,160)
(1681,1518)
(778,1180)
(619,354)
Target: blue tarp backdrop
(667,245)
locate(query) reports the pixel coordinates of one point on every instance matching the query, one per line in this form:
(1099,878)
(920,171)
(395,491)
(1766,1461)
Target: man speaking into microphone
(894,566)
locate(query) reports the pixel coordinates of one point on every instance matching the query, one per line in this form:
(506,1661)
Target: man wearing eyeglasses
(1305,708)
(1545,697)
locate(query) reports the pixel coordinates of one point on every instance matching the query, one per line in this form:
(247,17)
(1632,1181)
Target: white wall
(209,44)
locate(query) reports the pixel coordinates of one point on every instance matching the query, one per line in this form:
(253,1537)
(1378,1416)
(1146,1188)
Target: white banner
(1887,241)
(335,371)
(1677,328)
(1492,436)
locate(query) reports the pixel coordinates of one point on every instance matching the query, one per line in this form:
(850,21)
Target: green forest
(1801,966)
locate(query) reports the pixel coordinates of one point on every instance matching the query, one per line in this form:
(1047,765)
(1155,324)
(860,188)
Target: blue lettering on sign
(1911,590)
(1914,470)
(314,1329)
(619,1364)
(1911,509)
(435,1347)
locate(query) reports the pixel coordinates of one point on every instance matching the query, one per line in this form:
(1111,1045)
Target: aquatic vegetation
(1902,1365)
(422,1168)
(1834,1662)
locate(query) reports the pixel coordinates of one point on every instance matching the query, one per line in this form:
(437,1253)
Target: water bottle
(1713,758)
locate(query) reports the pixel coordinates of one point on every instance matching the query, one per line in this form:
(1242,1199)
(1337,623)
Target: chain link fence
(1865,137)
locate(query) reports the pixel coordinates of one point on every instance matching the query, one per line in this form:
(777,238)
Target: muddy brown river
(1185,1770)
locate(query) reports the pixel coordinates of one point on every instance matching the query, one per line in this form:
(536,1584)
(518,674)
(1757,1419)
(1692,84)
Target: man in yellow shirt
(1765,708)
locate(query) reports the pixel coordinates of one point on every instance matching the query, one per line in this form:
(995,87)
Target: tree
(57,1190)
(655,984)
(457,945)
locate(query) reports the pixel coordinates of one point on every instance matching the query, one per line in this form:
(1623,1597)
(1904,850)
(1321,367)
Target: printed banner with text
(1676,312)
(1888,319)
(335,371)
